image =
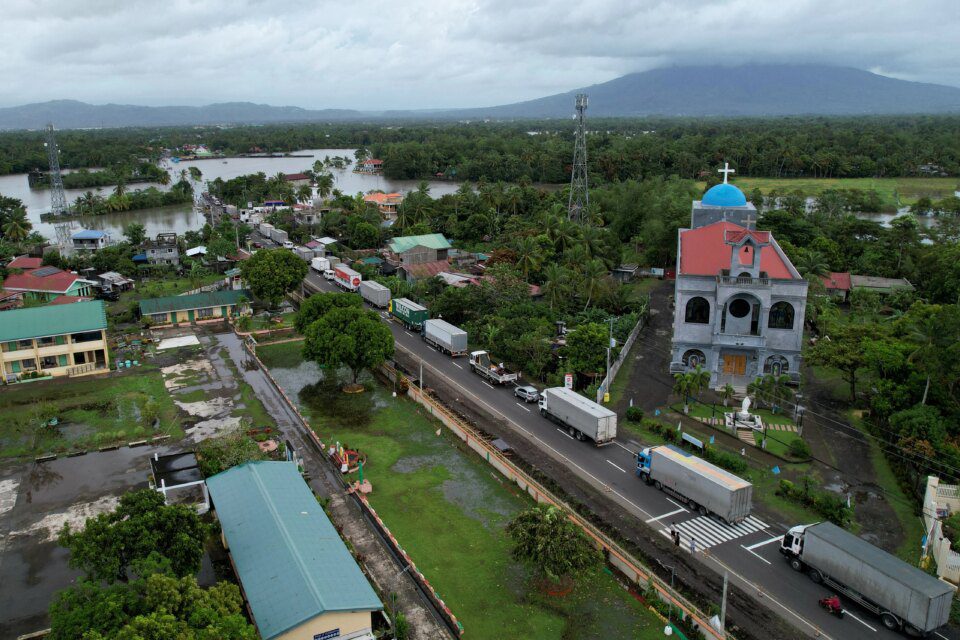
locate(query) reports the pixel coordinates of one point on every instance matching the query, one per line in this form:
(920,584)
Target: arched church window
(693,358)
(739,308)
(697,311)
(781,316)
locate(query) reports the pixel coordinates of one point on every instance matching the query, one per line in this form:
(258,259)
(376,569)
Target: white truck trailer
(582,418)
(705,487)
(375,293)
(346,278)
(481,364)
(320,265)
(902,595)
(444,336)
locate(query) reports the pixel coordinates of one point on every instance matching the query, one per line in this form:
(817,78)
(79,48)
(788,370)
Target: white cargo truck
(375,293)
(705,487)
(320,264)
(582,418)
(346,278)
(481,364)
(446,337)
(904,597)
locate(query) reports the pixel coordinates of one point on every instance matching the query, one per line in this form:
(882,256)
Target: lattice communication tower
(58,200)
(579,192)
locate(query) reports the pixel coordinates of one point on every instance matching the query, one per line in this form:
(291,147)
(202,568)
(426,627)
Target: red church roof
(837,281)
(704,251)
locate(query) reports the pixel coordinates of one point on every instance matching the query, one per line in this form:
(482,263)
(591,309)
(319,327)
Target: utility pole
(579,192)
(609,348)
(723,606)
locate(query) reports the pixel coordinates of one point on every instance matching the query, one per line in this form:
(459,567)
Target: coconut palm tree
(726,394)
(683,386)
(812,264)
(120,190)
(563,234)
(594,273)
(700,380)
(17,227)
(925,336)
(778,391)
(324,184)
(304,193)
(556,288)
(529,256)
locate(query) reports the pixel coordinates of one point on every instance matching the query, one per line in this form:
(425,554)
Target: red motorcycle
(832,605)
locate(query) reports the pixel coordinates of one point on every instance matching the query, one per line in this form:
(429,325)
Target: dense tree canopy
(272,273)
(348,336)
(545,539)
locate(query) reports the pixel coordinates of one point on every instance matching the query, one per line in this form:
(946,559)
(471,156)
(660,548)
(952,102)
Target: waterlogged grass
(908,189)
(284,356)
(91,412)
(448,509)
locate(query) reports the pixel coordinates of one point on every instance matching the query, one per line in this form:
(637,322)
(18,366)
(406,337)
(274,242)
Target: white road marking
(765,542)
(489,385)
(408,333)
(756,555)
(708,531)
(627,449)
(564,433)
(617,466)
(671,501)
(456,365)
(847,613)
(666,515)
(523,407)
(937,633)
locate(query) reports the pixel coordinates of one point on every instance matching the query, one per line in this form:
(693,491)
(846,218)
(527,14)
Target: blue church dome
(724,195)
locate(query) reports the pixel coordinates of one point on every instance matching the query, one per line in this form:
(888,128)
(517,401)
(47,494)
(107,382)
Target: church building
(739,302)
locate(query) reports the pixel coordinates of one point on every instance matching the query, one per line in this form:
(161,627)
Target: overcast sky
(374,54)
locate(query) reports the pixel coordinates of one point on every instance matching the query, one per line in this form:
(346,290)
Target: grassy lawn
(280,321)
(283,356)
(908,189)
(448,509)
(901,504)
(92,412)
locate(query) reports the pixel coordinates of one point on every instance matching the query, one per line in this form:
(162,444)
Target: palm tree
(304,193)
(924,334)
(556,288)
(120,190)
(528,256)
(545,538)
(726,394)
(812,264)
(563,235)
(164,178)
(17,227)
(778,390)
(591,239)
(324,184)
(594,273)
(700,379)
(683,387)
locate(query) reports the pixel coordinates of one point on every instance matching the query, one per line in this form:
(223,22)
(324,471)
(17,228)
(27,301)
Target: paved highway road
(749,551)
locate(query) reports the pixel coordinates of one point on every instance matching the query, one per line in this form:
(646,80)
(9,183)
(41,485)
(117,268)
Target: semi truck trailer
(411,314)
(904,597)
(320,264)
(446,337)
(346,278)
(705,487)
(481,364)
(582,418)
(375,293)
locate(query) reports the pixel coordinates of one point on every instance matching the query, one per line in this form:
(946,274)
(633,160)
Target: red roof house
(839,282)
(25,262)
(705,251)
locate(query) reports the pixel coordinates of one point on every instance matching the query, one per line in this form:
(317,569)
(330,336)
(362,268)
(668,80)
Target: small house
(45,283)
(386,203)
(164,249)
(297,179)
(197,307)
(838,285)
(879,285)
(90,240)
(370,165)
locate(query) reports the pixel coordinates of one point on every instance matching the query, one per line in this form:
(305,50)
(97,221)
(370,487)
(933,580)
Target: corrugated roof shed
(88,234)
(193,301)
(290,559)
(430,240)
(38,322)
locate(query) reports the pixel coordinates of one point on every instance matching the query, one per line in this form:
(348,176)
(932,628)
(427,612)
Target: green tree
(586,349)
(112,543)
(592,279)
(727,393)
(349,336)
(843,349)
(272,273)
(529,256)
(320,304)
(135,233)
(545,539)
(684,386)
(812,265)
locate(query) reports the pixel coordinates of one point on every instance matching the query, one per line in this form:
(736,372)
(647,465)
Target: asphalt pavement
(747,552)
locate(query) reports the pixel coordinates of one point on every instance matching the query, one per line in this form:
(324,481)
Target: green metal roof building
(297,575)
(55,320)
(196,306)
(435,241)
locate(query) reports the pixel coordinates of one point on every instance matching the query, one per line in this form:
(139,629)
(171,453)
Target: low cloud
(378,54)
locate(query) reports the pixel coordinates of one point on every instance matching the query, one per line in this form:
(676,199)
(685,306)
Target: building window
(776,365)
(205,313)
(694,358)
(86,336)
(25,344)
(158,317)
(739,308)
(29,364)
(698,311)
(79,358)
(781,316)
(45,342)
(48,362)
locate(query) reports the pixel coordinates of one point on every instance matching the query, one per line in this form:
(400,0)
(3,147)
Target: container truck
(279,236)
(375,293)
(303,253)
(903,596)
(265,228)
(582,418)
(446,337)
(481,364)
(319,264)
(408,312)
(705,488)
(346,278)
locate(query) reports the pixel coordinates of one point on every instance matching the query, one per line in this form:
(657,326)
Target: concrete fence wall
(939,502)
(618,362)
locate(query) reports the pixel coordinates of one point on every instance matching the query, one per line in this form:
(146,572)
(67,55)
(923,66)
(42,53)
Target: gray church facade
(739,302)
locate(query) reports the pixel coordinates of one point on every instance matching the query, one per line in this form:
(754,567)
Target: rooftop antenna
(579,193)
(58,200)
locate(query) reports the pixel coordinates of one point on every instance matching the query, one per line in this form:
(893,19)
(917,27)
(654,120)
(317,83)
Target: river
(183,218)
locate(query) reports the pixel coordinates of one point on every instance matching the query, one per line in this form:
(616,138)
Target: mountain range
(692,91)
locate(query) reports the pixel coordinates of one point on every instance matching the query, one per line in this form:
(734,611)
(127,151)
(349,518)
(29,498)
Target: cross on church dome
(726,171)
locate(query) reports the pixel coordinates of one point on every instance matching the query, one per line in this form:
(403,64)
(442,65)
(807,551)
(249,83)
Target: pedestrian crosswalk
(708,531)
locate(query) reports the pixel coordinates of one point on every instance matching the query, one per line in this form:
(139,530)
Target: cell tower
(579,193)
(58,201)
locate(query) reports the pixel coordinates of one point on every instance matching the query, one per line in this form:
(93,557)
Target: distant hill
(747,90)
(71,114)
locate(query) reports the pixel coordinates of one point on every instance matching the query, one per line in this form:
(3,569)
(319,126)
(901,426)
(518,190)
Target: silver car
(527,393)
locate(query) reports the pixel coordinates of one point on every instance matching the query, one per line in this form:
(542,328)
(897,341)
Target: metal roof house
(210,305)
(298,577)
(90,240)
(66,340)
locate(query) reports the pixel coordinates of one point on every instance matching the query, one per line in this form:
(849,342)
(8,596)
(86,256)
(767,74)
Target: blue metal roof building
(297,574)
(88,234)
